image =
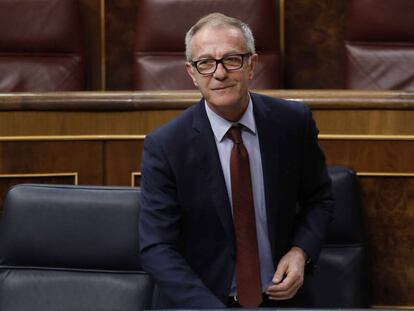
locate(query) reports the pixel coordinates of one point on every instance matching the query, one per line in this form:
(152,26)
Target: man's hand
(288,277)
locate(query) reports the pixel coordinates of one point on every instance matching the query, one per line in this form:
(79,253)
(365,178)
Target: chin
(224,101)
(224,105)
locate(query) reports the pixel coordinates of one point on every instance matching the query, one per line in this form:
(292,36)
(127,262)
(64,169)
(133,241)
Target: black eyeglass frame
(220,61)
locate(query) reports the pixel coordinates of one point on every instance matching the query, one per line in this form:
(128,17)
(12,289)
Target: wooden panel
(82,159)
(314,34)
(122,113)
(365,122)
(31,123)
(35,157)
(136,179)
(81,123)
(371,155)
(389,217)
(120,30)
(91,20)
(122,159)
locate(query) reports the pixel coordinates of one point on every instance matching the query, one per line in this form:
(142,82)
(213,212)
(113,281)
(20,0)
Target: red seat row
(42,46)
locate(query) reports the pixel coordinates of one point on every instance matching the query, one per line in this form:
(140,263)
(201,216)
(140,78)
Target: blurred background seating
(159,40)
(71,248)
(41,46)
(380,45)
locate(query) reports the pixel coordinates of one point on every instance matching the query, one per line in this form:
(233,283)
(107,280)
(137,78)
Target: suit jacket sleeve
(315,194)
(159,234)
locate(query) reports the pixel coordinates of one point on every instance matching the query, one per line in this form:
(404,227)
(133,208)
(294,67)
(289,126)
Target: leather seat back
(159,61)
(380,45)
(41,46)
(71,248)
(340,278)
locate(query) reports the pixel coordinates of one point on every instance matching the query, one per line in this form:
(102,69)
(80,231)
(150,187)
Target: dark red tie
(249,291)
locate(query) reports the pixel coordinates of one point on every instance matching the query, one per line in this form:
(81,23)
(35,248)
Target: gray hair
(217,19)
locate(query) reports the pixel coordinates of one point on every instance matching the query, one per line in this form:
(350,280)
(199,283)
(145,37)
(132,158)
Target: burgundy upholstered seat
(41,46)
(159,44)
(380,44)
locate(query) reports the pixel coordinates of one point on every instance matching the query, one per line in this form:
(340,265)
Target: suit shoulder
(177,127)
(280,107)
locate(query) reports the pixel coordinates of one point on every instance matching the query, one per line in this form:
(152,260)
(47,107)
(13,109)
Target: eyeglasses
(208,66)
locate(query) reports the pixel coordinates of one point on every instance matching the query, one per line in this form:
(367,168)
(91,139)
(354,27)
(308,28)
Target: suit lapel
(209,163)
(269,141)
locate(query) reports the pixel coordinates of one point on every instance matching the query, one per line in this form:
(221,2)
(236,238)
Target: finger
(280,272)
(286,294)
(283,296)
(288,282)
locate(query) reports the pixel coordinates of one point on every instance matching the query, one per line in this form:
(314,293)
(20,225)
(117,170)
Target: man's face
(226,92)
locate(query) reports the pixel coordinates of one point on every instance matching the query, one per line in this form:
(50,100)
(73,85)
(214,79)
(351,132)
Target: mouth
(222,87)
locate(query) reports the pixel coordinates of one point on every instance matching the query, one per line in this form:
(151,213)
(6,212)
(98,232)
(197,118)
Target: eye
(232,60)
(208,62)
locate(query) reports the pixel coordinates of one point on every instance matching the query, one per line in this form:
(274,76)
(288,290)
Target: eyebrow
(208,56)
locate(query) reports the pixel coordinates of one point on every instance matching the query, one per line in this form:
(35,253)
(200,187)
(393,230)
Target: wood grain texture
(389,217)
(91,22)
(122,158)
(371,155)
(314,34)
(119,33)
(121,113)
(31,157)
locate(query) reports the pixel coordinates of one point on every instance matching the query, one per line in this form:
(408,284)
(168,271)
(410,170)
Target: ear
(191,73)
(252,65)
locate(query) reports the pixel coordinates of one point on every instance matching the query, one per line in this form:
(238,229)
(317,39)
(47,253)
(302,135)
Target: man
(192,241)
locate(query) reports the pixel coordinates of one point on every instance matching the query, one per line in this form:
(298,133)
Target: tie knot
(235,134)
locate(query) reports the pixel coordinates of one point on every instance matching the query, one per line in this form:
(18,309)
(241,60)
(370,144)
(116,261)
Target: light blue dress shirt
(220,127)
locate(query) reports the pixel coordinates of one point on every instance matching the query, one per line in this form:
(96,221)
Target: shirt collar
(220,126)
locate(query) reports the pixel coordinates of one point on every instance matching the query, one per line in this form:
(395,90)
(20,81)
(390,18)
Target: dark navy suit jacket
(187,240)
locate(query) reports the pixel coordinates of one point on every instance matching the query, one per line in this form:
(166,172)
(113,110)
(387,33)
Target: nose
(220,73)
